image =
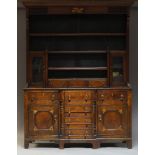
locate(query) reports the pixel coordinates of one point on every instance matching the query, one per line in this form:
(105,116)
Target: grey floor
(49,149)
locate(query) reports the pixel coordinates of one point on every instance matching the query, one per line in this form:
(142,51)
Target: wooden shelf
(77,68)
(90,79)
(75,34)
(77,52)
(72,52)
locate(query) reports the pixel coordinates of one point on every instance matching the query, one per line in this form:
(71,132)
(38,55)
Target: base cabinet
(88,116)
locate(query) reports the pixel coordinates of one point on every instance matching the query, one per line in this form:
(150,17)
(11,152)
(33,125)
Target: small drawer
(112,96)
(78,120)
(78,126)
(120,95)
(81,115)
(104,95)
(77,109)
(79,95)
(78,102)
(42,97)
(75,132)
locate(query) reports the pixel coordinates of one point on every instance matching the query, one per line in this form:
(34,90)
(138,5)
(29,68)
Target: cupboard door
(112,121)
(118,68)
(43,120)
(37,69)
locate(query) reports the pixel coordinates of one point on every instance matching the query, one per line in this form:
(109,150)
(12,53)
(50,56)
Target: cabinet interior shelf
(69,79)
(75,34)
(77,68)
(77,52)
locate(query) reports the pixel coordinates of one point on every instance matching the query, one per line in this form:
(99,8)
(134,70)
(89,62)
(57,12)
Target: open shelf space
(77,43)
(63,74)
(71,61)
(76,23)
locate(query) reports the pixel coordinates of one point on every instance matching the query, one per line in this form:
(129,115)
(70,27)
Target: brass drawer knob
(34,111)
(77,10)
(100,117)
(51,128)
(102,96)
(120,111)
(52,112)
(121,97)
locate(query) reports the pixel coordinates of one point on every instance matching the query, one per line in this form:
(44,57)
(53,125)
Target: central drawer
(76,95)
(78,131)
(84,119)
(78,109)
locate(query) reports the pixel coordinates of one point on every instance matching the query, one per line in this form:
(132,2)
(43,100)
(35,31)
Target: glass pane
(37,71)
(117,69)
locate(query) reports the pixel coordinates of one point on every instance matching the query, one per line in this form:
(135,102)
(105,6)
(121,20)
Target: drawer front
(78,109)
(85,119)
(81,115)
(79,103)
(76,132)
(83,95)
(78,126)
(43,97)
(112,97)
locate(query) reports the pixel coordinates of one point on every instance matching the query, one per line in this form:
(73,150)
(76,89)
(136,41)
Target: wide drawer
(76,132)
(81,115)
(77,109)
(43,97)
(84,119)
(83,95)
(112,97)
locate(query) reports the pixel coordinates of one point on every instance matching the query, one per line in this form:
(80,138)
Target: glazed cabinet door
(43,120)
(36,74)
(118,68)
(111,121)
